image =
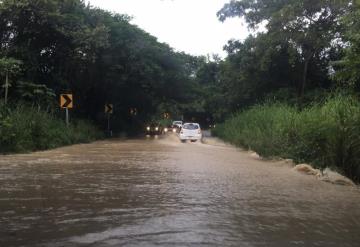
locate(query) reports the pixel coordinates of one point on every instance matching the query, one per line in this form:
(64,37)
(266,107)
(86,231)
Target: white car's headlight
(166,129)
(157,128)
(174,130)
(148,128)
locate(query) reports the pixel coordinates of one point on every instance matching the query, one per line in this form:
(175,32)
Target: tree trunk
(304,79)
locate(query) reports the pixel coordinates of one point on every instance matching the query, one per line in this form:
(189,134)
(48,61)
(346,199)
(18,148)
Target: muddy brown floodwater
(160,192)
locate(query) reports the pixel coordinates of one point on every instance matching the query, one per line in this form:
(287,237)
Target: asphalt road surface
(160,192)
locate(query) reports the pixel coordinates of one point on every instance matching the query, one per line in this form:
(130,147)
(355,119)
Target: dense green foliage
(326,135)
(68,46)
(349,65)
(24,128)
(309,48)
(294,59)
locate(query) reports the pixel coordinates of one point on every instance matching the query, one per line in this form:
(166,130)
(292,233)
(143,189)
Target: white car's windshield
(191,126)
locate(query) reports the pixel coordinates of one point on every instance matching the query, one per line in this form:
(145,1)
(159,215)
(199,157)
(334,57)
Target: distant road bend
(160,192)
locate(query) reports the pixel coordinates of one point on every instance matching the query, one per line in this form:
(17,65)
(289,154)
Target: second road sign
(109,108)
(66,101)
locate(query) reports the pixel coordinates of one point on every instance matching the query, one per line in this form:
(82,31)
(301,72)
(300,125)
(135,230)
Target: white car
(177,123)
(190,131)
(176,126)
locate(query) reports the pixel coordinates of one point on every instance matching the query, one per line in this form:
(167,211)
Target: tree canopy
(349,65)
(69,46)
(310,28)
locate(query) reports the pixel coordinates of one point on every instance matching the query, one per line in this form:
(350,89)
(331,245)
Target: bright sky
(186,25)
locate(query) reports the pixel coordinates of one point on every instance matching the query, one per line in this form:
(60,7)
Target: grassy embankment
(24,128)
(324,135)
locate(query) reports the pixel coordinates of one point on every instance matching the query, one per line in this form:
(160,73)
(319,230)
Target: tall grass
(325,135)
(25,128)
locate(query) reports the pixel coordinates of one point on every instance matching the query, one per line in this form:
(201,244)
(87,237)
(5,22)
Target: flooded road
(160,192)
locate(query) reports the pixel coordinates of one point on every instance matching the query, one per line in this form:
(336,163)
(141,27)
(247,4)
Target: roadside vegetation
(275,87)
(24,128)
(51,47)
(324,134)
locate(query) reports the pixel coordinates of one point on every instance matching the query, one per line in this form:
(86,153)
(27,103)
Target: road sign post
(67,116)
(109,109)
(66,102)
(108,125)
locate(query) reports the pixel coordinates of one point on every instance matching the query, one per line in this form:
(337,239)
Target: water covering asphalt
(160,192)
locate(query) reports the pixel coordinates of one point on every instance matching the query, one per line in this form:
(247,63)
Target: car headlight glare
(148,128)
(157,128)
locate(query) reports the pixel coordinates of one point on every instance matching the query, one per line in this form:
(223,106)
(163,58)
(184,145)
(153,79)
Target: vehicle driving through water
(190,131)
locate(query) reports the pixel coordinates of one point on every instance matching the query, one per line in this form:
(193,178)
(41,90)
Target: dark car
(168,129)
(154,129)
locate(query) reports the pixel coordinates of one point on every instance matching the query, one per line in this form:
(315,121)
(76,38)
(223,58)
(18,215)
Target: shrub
(24,128)
(326,135)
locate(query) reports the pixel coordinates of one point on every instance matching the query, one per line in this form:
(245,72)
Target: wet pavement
(160,192)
